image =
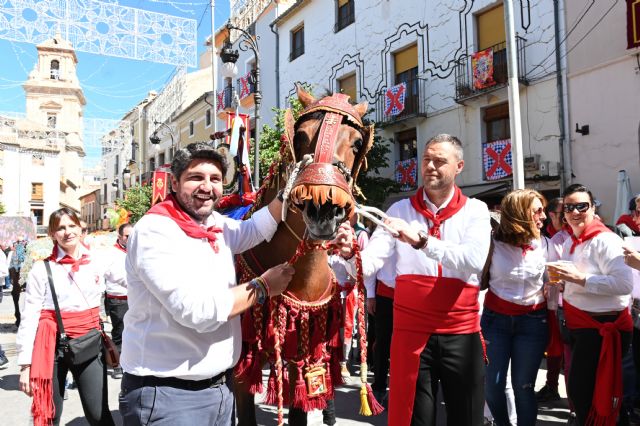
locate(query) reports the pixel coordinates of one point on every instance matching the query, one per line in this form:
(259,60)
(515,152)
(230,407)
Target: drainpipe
(563,141)
(275,31)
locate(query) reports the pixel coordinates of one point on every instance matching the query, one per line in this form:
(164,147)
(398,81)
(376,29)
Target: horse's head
(331,136)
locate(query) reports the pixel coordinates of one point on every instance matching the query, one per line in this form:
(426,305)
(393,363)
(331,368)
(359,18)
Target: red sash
(384,290)
(457,202)
(76,324)
(607,393)
(596,227)
(497,304)
(555,345)
(170,208)
(423,306)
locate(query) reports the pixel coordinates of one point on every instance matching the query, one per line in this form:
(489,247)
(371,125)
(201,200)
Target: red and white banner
(245,88)
(160,186)
(219,101)
(497,161)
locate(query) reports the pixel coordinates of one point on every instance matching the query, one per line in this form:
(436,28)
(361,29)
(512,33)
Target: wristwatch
(424,240)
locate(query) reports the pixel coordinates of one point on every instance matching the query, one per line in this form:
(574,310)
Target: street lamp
(155,139)
(229,58)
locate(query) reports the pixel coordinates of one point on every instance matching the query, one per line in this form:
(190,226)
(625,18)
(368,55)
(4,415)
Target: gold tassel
(365,410)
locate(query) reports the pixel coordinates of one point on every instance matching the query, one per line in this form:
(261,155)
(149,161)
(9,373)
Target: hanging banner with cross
(159,187)
(407,174)
(219,101)
(245,89)
(497,162)
(394,99)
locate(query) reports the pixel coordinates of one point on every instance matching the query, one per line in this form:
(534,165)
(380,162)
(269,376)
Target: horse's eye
(357,145)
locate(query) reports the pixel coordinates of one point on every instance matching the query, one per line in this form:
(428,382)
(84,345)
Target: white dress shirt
(115,275)
(609,280)
(516,278)
(180,296)
(4,266)
(386,274)
(462,251)
(75,291)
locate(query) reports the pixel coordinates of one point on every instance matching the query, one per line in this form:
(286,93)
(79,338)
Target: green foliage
(376,188)
(137,200)
(2,209)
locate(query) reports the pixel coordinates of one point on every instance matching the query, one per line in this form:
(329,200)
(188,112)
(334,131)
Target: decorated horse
(298,333)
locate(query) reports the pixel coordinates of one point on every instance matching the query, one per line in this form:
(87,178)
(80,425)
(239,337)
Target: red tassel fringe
(271,398)
(375,407)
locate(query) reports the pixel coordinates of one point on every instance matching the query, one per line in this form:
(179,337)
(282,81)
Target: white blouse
(609,281)
(75,291)
(516,278)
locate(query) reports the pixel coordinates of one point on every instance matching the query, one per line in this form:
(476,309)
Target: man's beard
(188,206)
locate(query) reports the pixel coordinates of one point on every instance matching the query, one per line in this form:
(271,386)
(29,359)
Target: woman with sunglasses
(78,284)
(596,298)
(514,319)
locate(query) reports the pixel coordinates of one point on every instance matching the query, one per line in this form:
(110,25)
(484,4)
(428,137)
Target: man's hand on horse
(278,278)
(406,233)
(345,238)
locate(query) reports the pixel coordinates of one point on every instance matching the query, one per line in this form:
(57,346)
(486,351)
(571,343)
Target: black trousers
(384,329)
(116,308)
(91,378)
(456,362)
(585,354)
(15,292)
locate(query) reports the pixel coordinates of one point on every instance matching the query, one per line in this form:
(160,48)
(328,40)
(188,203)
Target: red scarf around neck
(119,247)
(551,231)
(627,219)
(171,209)
(68,260)
(457,202)
(593,229)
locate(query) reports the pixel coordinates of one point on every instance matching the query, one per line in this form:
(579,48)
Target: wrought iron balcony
(467,87)
(227,97)
(414,103)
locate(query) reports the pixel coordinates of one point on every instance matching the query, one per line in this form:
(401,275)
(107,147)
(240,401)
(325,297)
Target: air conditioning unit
(532,163)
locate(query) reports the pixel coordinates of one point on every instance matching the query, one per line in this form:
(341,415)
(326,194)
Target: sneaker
(344,371)
(488,422)
(4,362)
(572,419)
(117,373)
(546,394)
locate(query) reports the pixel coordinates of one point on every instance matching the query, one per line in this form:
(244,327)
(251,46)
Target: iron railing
(465,87)
(414,103)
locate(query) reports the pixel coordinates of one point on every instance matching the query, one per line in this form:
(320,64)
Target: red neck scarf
(607,393)
(119,247)
(596,227)
(525,248)
(551,231)
(68,260)
(627,219)
(457,202)
(76,324)
(171,209)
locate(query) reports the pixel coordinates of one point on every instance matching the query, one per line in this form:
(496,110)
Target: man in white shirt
(442,246)
(182,330)
(115,298)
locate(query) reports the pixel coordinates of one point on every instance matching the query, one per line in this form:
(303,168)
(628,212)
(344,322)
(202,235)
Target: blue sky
(112,86)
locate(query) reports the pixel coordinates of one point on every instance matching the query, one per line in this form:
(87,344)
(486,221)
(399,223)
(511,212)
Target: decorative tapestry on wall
(482,65)
(394,99)
(497,162)
(407,174)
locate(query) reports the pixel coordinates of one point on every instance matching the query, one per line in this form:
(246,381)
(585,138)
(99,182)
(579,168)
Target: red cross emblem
(395,101)
(499,160)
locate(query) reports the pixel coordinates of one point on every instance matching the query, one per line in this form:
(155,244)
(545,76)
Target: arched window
(55,70)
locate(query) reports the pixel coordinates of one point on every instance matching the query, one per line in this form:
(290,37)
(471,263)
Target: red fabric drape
(457,202)
(504,307)
(593,229)
(68,260)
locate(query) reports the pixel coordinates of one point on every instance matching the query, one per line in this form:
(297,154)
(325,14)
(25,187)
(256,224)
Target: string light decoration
(169,101)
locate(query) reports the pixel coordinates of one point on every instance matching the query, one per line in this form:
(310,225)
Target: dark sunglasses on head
(581,207)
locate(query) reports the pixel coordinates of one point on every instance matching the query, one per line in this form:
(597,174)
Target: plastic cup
(552,297)
(554,290)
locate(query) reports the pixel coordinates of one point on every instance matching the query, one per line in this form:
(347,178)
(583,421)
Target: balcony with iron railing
(468,87)
(414,103)
(227,101)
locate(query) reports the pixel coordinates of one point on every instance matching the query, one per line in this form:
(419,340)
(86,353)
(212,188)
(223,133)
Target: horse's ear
(305,97)
(361,108)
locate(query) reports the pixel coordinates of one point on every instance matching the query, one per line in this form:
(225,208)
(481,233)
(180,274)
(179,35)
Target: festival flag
(633,24)
(497,162)
(394,99)
(159,186)
(245,89)
(219,101)
(407,174)
(482,65)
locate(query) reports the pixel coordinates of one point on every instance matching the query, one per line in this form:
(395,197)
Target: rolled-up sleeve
(241,235)
(616,278)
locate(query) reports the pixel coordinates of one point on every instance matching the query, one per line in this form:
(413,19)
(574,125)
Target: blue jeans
(521,340)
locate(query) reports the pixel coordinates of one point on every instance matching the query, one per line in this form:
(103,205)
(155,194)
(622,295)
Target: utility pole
(515,122)
(214,68)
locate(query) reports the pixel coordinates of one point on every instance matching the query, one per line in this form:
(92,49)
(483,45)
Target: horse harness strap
(327,137)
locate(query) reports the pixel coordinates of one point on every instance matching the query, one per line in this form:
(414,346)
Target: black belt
(134,382)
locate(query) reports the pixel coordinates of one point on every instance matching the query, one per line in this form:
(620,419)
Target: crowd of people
(461,305)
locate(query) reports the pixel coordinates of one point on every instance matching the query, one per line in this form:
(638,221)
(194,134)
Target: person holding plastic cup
(597,292)
(514,320)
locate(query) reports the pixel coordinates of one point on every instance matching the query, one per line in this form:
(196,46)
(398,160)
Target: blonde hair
(516,224)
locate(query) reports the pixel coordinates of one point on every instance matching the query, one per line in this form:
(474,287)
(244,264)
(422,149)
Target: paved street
(16,406)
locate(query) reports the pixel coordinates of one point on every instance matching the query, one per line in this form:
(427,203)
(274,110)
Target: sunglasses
(580,207)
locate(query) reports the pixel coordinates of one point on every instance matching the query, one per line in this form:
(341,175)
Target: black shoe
(4,362)
(572,419)
(546,394)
